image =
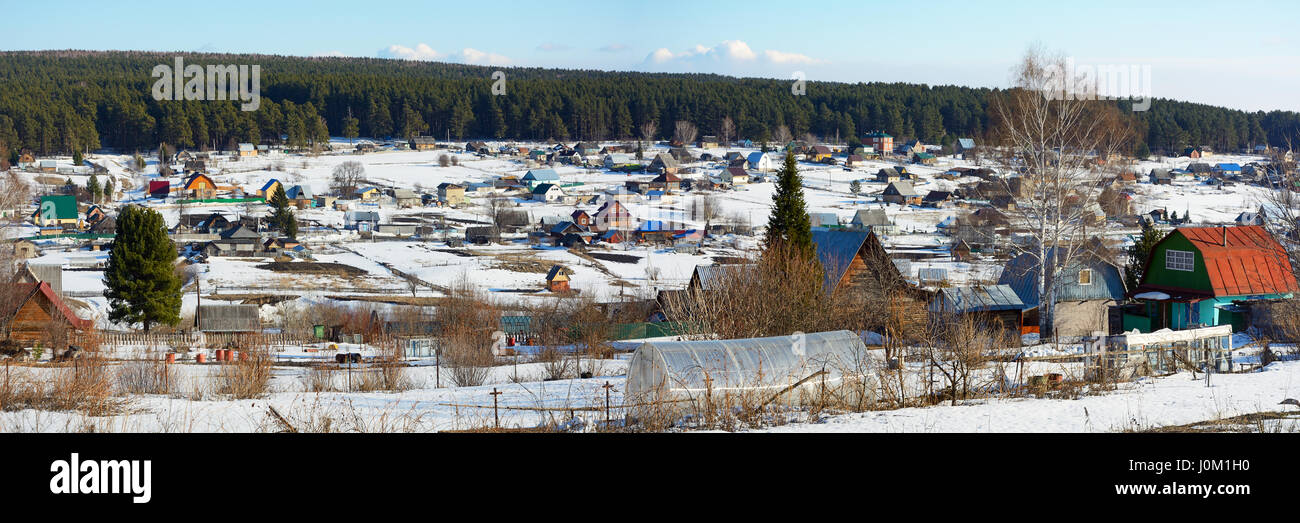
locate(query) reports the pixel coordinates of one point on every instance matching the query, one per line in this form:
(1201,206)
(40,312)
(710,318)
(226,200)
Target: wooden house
(1085,289)
(268,189)
(557,279)
(199,186)
(856,263)
(423,143)
(32,313)
(160,189)
(666,181)
(901,192)
(247,150)
(1196,274)
(817,153)
(664,163)
(734,176)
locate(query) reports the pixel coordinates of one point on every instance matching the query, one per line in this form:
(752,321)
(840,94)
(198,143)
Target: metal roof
(1242,260)
(1021,274)
(973,299)
(836,250)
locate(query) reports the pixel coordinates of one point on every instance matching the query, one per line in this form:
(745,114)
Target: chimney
(1225,235)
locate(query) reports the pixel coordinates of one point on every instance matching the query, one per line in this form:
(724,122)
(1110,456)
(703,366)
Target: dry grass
(246,378)
(84,384)
(148,376)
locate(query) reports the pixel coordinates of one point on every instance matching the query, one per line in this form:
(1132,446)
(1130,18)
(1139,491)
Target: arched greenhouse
(755,368)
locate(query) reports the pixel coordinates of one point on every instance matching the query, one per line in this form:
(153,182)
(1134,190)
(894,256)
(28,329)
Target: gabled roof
(966,143)
(298,192)
(18,294)
(713,277)
(557,272)
(1252,262)
(545,188)
(190,182)
(666,178)
(268,185)
(238,231)
(871,217)
(901,188)
(836,250)
(542,175)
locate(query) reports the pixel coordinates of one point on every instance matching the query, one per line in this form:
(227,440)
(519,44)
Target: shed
(228,318)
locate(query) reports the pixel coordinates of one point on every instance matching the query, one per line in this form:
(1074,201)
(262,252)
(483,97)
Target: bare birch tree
(1060,142)
(684,131)
(728,129)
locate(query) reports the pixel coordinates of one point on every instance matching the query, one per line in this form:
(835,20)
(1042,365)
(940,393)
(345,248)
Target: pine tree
(283,217)
(93,186)
(77,158)
(351,126)
(1137,255)
(789,222)
(142,286)
(108,189)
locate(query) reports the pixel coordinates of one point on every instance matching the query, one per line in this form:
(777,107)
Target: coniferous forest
(62,101)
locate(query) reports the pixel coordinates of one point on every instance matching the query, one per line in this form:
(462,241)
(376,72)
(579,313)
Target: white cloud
(778,57)
(474,56)
(728,52)
(422,51)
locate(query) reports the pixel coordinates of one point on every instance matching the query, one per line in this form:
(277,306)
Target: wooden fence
(199,339)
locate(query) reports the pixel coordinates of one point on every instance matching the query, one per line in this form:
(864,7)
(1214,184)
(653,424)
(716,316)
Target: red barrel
(510,342)
(171,357)
(243,355)
(226,355)
(201,358)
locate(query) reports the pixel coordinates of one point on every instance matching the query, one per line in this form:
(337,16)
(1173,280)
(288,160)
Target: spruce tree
(1138,253)
(789,222)
(108,189)
(282,217)
(142,286)
(93,186)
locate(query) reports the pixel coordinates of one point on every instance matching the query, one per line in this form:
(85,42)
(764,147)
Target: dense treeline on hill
(60,101)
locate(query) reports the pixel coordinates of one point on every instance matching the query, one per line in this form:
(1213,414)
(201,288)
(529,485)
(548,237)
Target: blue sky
(1243,54)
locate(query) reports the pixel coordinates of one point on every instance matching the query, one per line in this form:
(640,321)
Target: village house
(936,199)
(300,196)
(761,162)
(666,182)
(424,143)
(33,313)
(367,193)
(874,220)
(901,192)
(536,176)
(664,163)
(1199,275)
(817,153)
(855,262)
(733,176)
(247,150)
(1085,289)
(57,211)
(557,279)
(923,158)
(547,192)
(200,187)
(451,194)
(362,221)
(406,198)
(879,141)
(964,147)
(612,215)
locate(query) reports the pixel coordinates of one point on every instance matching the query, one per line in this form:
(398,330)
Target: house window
(1180,260)
(1085,277)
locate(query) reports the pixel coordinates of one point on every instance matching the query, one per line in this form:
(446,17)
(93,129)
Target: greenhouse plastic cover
(689,368)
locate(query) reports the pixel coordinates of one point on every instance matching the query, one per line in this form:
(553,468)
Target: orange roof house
(1194,275)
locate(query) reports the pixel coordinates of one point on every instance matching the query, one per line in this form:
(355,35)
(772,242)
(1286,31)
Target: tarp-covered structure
(691,370)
